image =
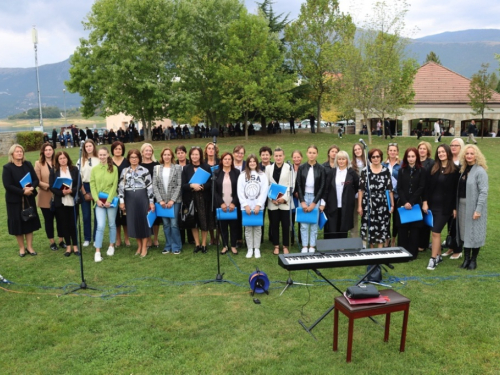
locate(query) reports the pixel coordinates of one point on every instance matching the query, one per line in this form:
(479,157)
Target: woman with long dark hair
(136,196)
(330,161)
(64,200)
(120,162)
(201,196)
(472,204)
(310,184)
(211,157)
(182,161)
(43,167)
(296,161)
(411,191)
(226,198)
(89,161)
(424,153)
(104,181)
(373,207)
(441,189)
(252,193)
(358,163)
(342,184)
(17,196)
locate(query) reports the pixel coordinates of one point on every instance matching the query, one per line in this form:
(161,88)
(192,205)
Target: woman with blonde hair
(149,162)
(472,206)
(456,146)
(211,157)
(43,167)
(18,198)
(89,160)
(358,163)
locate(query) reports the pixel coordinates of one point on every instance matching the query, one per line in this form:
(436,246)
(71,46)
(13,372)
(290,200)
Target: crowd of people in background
(360,193)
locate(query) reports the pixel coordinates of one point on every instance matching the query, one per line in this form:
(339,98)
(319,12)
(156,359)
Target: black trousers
(277,217)
(408,235)
(239,227)
(48,217)
(66,216)
(229,232)
(333,231)
(190,238)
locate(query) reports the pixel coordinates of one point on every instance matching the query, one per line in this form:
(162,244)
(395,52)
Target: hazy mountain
(461,51)
(18,88)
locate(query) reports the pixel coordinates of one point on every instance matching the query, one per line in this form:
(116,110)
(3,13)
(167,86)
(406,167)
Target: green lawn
(157,316)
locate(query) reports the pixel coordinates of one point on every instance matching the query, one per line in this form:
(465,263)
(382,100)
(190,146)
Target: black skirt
(137,205)
(16,224)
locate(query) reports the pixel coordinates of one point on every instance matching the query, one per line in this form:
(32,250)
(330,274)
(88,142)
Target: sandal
(276,250)
(234,251)
(285,250)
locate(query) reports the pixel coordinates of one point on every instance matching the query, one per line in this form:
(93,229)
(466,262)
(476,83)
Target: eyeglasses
(376,157)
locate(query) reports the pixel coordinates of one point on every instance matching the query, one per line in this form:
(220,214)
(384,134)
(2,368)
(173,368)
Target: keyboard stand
(330,309)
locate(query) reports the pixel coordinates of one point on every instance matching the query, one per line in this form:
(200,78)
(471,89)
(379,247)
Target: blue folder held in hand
(26,181)
(410,216)
(103,197)
(276,191)
(322,220)
(388,199)
(164,212)
(253,220)
(151,217)
(60,181)
(200,177)
(307,217)
(228,215)
(429,219)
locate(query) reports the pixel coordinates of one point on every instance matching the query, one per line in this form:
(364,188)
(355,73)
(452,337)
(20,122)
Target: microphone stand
(77,218)
(289,281)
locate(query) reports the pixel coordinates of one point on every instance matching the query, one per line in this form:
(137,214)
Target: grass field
(157,316)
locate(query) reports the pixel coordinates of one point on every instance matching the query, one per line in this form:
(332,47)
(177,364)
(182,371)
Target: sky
(59,23)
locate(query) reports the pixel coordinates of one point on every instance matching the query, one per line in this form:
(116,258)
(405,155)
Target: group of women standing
(122,189)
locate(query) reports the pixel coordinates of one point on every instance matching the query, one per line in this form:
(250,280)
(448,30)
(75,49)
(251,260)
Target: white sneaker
(86,243)
(304,250)
(312,249)
(111,251)
(257,253)
(249,253)
(97,257)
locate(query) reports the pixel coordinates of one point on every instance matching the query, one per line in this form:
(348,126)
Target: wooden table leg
(387,326)
(403,332)
(335,329)
(349,339)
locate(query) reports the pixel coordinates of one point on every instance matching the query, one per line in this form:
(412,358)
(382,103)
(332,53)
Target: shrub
(31,141)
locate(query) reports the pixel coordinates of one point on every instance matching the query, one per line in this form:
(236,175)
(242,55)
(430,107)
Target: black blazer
(415,183)
(233,176)
(447,202)
(11,176)
(58,194)
(351,187)
(187,173)
(319,181)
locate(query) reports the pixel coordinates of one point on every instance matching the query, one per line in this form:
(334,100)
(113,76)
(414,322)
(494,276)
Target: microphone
(289,163)
(363,143)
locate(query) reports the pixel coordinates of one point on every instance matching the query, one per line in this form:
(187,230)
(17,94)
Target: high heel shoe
(234,251)
(456,256)
(31,253)
(197,249)
(204,249)
(22,255)
(223,251)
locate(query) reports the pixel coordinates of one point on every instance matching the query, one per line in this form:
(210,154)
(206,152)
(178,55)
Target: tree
(480,92)
(431,56)
(376,77)
(316,41)
(125,65)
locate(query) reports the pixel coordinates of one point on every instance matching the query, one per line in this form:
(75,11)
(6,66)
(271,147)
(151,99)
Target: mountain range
(461,51)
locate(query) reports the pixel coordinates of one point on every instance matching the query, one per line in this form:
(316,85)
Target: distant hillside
(461,51)
(18,91)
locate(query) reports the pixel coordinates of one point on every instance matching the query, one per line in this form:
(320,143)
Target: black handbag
(27,213)
(362,291)
(187,213)
(375,275)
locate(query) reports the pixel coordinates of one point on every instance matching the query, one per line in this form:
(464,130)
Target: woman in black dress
(424,153)
(118,150)
(201,195)
(16,195)
(411,191)
(441,193)
(149,162)
(372,200)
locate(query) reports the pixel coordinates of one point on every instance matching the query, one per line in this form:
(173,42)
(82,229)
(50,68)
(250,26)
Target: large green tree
(481,92)
(125,64)
(316,41)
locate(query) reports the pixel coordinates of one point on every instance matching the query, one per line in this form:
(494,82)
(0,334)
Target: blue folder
(307,217)
(388,199)
(151,217)
(322,220)
(60,181)
(200,177)
(104,197)
(410,216)
(214,168)
(228,215)
(429,219)
(295,203)
(26,180)
(276,191)
(253,220)
(164,212)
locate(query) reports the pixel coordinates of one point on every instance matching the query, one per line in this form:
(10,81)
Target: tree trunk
(245,125)
(369,128)
(318,117)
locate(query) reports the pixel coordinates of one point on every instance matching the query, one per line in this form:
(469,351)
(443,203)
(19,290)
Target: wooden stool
(397,303)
